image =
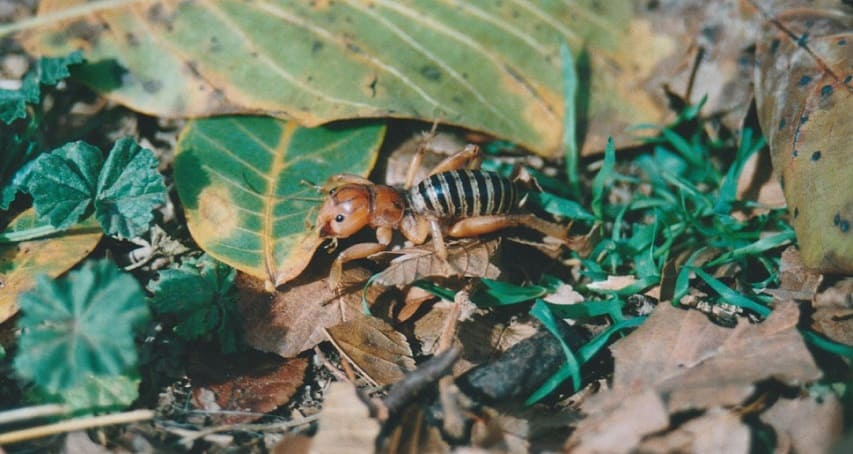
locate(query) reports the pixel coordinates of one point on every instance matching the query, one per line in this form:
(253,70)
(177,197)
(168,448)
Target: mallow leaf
(80,326)
(46,71)
(63,183)
(129,188)
(73,181)
(197,295)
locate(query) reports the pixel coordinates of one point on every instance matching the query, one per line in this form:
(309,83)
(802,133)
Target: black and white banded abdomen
(463,193)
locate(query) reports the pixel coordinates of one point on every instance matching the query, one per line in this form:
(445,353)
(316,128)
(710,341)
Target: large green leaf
(242,183)
(489,66)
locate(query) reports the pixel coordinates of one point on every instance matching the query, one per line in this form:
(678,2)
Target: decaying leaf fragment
(622,428)
(291,321)
(833,312)
(375,347)
(804,95)
(20,263)
(718,430)
(345,423)
(468,258)
(687,363)
(806,424)
(695,364)
(242,389)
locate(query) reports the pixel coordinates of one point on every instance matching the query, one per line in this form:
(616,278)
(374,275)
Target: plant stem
(37,411)
(70,425)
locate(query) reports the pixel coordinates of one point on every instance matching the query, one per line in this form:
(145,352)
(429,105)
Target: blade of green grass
(829,345)
(605,174)
(731,296)
(541,311)
(570,88)
(586,352)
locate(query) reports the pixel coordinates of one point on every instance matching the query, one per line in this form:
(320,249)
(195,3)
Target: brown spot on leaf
(431,72)
(218,212)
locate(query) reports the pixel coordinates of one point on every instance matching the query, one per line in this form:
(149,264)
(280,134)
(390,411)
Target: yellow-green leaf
(485,65)
(242,181)
(20,263)
(804,95)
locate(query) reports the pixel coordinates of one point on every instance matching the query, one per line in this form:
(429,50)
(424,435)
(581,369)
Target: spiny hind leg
(481,225)
(417,159)
(469,158)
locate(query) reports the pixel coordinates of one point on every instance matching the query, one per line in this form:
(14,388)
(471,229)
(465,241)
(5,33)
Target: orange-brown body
(354,203)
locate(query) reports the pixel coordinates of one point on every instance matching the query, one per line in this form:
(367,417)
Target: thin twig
(38,411)
(70,425)
(451,321)
(412,385)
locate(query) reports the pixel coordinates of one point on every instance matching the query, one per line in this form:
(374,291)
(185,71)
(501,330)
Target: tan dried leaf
(716,431)
(806,424)
(345,423)
(621,427)
(292,319)
(437,147)
(694,364)
(375,347)
(614,283)
(414,434)
(468,258)
(833,314)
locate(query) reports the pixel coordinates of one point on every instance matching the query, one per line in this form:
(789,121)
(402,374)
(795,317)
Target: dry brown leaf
(716,431)
(833,314)
(613,283)
(468,258)
(414,299)
(414,434)
(694,364)
(715,37)
(345,423)
(292,319)
(532,429)
(620,428)
(796,281)
(806,424)
(804,96)
(375,347)
(757,183)
(250,382)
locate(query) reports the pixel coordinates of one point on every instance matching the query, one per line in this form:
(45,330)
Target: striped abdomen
(459,193)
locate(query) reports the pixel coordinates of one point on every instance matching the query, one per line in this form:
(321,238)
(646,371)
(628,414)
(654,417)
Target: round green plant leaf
(242,181)
(79,326)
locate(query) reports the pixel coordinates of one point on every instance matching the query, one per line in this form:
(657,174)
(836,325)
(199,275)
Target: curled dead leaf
(241,389)
(292,320)
(466,258)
